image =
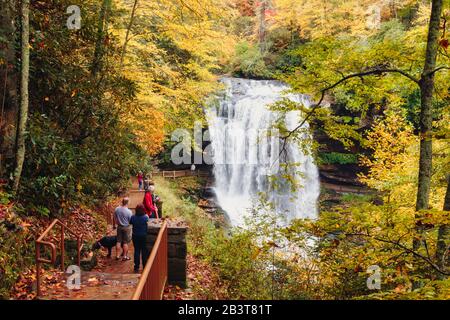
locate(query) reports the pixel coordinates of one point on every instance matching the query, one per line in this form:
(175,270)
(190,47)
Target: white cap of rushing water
(245,154)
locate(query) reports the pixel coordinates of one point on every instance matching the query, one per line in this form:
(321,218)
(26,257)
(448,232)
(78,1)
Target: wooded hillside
(85,108)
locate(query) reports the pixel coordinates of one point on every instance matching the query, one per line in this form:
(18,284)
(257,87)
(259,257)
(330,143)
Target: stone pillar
(177,249)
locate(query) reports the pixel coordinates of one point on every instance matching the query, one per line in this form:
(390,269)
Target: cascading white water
(245,153)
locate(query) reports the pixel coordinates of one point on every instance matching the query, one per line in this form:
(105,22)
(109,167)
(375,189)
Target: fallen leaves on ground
(25,287)
(203,283)
(83,221)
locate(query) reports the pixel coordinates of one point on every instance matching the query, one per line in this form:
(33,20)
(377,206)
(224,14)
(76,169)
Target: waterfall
(246,152)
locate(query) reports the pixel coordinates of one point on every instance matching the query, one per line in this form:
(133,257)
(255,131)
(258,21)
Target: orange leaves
(25,287)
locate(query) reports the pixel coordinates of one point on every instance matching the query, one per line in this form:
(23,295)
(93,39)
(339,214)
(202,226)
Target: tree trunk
(426,116)
(23,111)
(262,25)
(426,84)
(127,36)
(101,32)
(442,255)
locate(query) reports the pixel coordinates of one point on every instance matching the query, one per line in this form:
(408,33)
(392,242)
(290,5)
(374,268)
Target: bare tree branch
(376,71)
(439,68)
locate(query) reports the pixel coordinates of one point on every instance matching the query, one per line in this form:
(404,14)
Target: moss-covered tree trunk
(24,98)
(426,84)
(426,116)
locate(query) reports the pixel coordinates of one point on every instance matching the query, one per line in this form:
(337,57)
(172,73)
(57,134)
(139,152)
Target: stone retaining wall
(177,250)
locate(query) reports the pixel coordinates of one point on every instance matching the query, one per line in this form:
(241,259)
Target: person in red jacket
(140,178)
(150,208)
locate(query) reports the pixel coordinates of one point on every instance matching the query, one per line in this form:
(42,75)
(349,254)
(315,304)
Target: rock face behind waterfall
(246,151)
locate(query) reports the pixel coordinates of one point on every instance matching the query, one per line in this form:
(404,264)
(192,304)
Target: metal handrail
(154,277)
(40,242)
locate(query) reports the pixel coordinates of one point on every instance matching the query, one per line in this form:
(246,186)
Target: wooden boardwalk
(96,286)
(112,279)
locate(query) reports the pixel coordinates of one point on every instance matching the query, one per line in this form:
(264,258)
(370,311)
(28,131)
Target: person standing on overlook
(139,223)
(140,178)
(150,208)
(156,200)
(122,216)
(146,181)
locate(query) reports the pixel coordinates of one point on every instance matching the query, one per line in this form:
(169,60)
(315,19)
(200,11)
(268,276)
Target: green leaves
(338,158)
(249,62)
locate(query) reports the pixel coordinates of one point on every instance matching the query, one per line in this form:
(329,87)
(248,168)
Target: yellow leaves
(171,60)
(316,18)
(148,125)
(393,164)
(256,253)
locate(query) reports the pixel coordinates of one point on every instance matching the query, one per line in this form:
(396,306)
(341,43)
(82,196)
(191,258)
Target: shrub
(16,254)
(249,62)
(338,158)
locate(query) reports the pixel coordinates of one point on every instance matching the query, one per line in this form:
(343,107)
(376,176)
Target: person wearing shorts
(122,216)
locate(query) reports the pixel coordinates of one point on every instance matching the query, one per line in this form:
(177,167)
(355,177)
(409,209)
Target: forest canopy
(104,98)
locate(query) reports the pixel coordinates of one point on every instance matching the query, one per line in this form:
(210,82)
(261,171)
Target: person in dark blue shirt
(139,223)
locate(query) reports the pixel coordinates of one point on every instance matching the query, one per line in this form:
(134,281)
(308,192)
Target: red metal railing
(40,242)
(154,277)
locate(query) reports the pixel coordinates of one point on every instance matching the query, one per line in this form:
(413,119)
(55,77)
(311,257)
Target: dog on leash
(105,242)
